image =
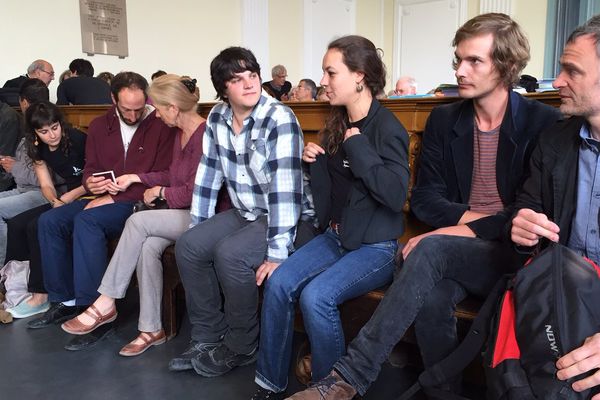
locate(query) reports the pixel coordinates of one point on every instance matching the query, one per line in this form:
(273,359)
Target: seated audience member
(128,139)
(106,77)
(27,194)
(321,95)
(473,156)
(10,135)
(291,94)
(40,69)
(66,74)
(157,74)
(253,144)
(405,86)
(53,147)
(558,202)
(148,233)
(278,86)
(82,88)
(306,90)
(363,152)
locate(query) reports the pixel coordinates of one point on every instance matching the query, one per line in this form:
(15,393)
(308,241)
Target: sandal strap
(146,337)
(94,313)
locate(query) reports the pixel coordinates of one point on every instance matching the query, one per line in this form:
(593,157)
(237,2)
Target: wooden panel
(412,113)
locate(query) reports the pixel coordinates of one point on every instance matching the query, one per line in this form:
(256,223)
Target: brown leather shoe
(149,339)
(75,327)
(332,387)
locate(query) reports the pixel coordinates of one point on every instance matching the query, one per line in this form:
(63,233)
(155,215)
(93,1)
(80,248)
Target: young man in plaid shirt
(253,144)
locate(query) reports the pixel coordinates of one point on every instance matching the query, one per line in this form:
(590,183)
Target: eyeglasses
(282,76)
(51,73)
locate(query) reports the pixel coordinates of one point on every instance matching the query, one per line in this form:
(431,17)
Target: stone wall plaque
(104,27)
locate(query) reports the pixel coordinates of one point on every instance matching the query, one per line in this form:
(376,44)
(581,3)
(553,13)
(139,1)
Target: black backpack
(529,320)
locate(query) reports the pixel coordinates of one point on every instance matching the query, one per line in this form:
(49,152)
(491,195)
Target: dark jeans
(223,251)
(22,244)
(74,247)
(473,263)
(435,325)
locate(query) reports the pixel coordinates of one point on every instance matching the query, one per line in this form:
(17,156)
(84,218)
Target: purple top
(179,178)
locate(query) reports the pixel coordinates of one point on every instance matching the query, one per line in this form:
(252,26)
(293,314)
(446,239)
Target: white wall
(427,57)
(182,36)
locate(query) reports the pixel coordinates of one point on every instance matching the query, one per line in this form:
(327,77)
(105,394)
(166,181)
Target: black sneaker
(184,361)
(221,360)
(266,394)
(56,314)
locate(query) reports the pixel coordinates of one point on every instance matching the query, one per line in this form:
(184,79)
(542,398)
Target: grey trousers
(145,237)
(224,252)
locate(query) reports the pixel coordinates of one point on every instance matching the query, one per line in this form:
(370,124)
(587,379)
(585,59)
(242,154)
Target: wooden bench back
(412,112)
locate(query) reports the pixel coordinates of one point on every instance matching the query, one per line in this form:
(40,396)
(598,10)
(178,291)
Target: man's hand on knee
(265,271)
(579,361)
(528,227)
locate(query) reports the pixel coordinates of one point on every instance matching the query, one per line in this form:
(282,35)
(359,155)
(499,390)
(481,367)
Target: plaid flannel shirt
(261,168)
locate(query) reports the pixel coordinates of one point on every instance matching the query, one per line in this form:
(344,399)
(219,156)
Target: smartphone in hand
(106,175)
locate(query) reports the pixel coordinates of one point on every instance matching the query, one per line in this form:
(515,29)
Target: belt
(336,227)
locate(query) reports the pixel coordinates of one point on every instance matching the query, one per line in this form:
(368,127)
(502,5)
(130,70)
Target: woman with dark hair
(359,179)
(57,152)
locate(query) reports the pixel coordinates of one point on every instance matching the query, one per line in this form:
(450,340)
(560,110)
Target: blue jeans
(13,202)
(320,275)
(473,263)
(73,244)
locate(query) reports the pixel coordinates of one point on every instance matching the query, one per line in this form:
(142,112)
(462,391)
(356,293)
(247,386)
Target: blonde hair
(173,89)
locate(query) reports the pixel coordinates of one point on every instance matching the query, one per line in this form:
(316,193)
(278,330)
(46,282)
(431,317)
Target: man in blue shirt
(560,200)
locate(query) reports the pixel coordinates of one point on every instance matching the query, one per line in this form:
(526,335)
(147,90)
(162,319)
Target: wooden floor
(34,365)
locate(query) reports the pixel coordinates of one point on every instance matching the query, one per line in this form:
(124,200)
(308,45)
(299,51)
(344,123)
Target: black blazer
(551,186)
(378,160)
(443,188)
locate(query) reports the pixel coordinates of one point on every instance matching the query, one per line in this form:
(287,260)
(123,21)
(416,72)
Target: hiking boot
(184,361)
(332,387)
(266,394)
(221,360)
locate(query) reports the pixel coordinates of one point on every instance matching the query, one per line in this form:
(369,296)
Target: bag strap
(468,349)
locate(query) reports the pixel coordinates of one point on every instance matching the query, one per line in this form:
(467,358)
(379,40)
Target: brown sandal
(75,327)
(149,339)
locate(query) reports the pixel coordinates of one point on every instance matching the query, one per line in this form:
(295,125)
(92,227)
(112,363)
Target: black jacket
(378,160)
(15,82)
(551,186)
(441,195)
(83,90)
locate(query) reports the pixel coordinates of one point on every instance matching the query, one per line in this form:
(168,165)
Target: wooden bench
(412,113)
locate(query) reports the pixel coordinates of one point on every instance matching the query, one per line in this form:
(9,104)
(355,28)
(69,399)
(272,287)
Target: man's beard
(127,122)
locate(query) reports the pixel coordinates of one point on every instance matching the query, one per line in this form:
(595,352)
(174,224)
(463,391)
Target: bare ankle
(104,303)
(37,298)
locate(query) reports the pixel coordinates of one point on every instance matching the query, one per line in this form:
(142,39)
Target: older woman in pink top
(148,233)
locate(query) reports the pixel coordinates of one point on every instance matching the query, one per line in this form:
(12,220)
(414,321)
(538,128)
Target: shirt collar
(255,115)
(587,140)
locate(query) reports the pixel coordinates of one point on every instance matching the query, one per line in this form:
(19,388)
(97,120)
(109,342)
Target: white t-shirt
(127,131)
